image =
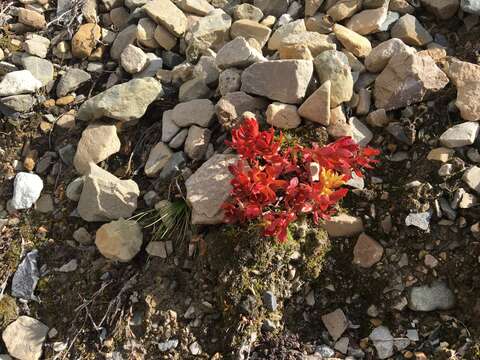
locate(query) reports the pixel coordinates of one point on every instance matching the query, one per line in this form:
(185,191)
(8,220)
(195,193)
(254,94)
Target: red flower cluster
(278,184)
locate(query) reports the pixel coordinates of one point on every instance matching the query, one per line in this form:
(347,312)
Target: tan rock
(294,27)
(368,21)
(466,77)
(146,33)
(165,13)
(317,107)
(209,187)
(295,51)
(157,159)
(230,108)
(269,21)
(344,9)
(98,142)
(317,43)
(164,38)
(382,53)
(124,38)
(471,177)
(250,29)
(364,102)
(367,252)
(410,31)
(359,45)
(437,54)
(196,7)
(343,225)
(119,240)
(442,9)
(119,17)
(312,6)
(283,116)
(336,323)
(196,143)
(440,154)
(31,18)
(24,338)
(85,40)
(105,197)
(406,80)
(320,23)
(157,248)
(339,127)
(401,7)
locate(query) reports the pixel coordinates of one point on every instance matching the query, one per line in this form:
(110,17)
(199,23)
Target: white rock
(460,135)
(133,59)
(472,178)
(26,190)
(383,341)
(19,82)
(24,338)
(283,116)
(237,53)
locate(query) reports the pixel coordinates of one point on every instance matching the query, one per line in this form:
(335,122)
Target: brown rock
(119,240)
(368,21)
(336,323)
(165,13)
(339,127)
(401,7)
(382,53)
(65,100)
(378,118)
(164,38)
(442,9)
(85,40)
(295,51)
(311,7)
(344,9)
(406,80)
(317,107)
(343,225)
(31,18)
(367,252)
(316,42)
(230,108)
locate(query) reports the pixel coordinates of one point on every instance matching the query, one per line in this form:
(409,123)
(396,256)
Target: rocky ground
(114,112)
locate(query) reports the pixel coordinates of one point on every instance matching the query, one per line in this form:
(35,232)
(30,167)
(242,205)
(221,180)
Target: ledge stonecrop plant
(276,183)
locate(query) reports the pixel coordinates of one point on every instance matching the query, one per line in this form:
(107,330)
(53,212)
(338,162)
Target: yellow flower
(331,180)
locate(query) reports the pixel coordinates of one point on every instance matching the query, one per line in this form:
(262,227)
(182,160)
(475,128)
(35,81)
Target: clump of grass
(168,220)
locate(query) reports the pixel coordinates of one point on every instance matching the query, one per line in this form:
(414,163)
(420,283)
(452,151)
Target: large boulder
(105,197)
(124,102)
(281,80)
(406,80)
(209,187)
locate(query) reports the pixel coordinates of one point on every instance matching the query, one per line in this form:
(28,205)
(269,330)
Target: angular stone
(98,142)
(312,6)
(133,59)
(105,197)
(471,177)
(124,102)
(359,45)
(229,81)
(316,43)
(85,40)
(237,53)
(24,338)
(281,80)
(71,81)
(165,13)
(410,31)
(367,252)
(41,69)
(247,11)
(196,7)
(124,38)
(283,116)
(31,18)
(119,240)
(294,27)
(343,225)
(333,65)
(231,107)
(197,141)
(344,9)
(157,248)
(378,118)
(406,80)
(207,69)
(338,124)
(146,33)
(440,154)
(466,77)
(157,159)
(36,45)
(383,341)
(381,54)
(336,323)
(368,21)
(19,82)
(460,135)
(317,107)
(195,112)
(360,132)
(26,190)
(470,6)
(437,296)
(179,139)
(209,187)
(211,31)
(20,103)
(295,51)
(272,7)
(442,9)
(193,89)
(250,29)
